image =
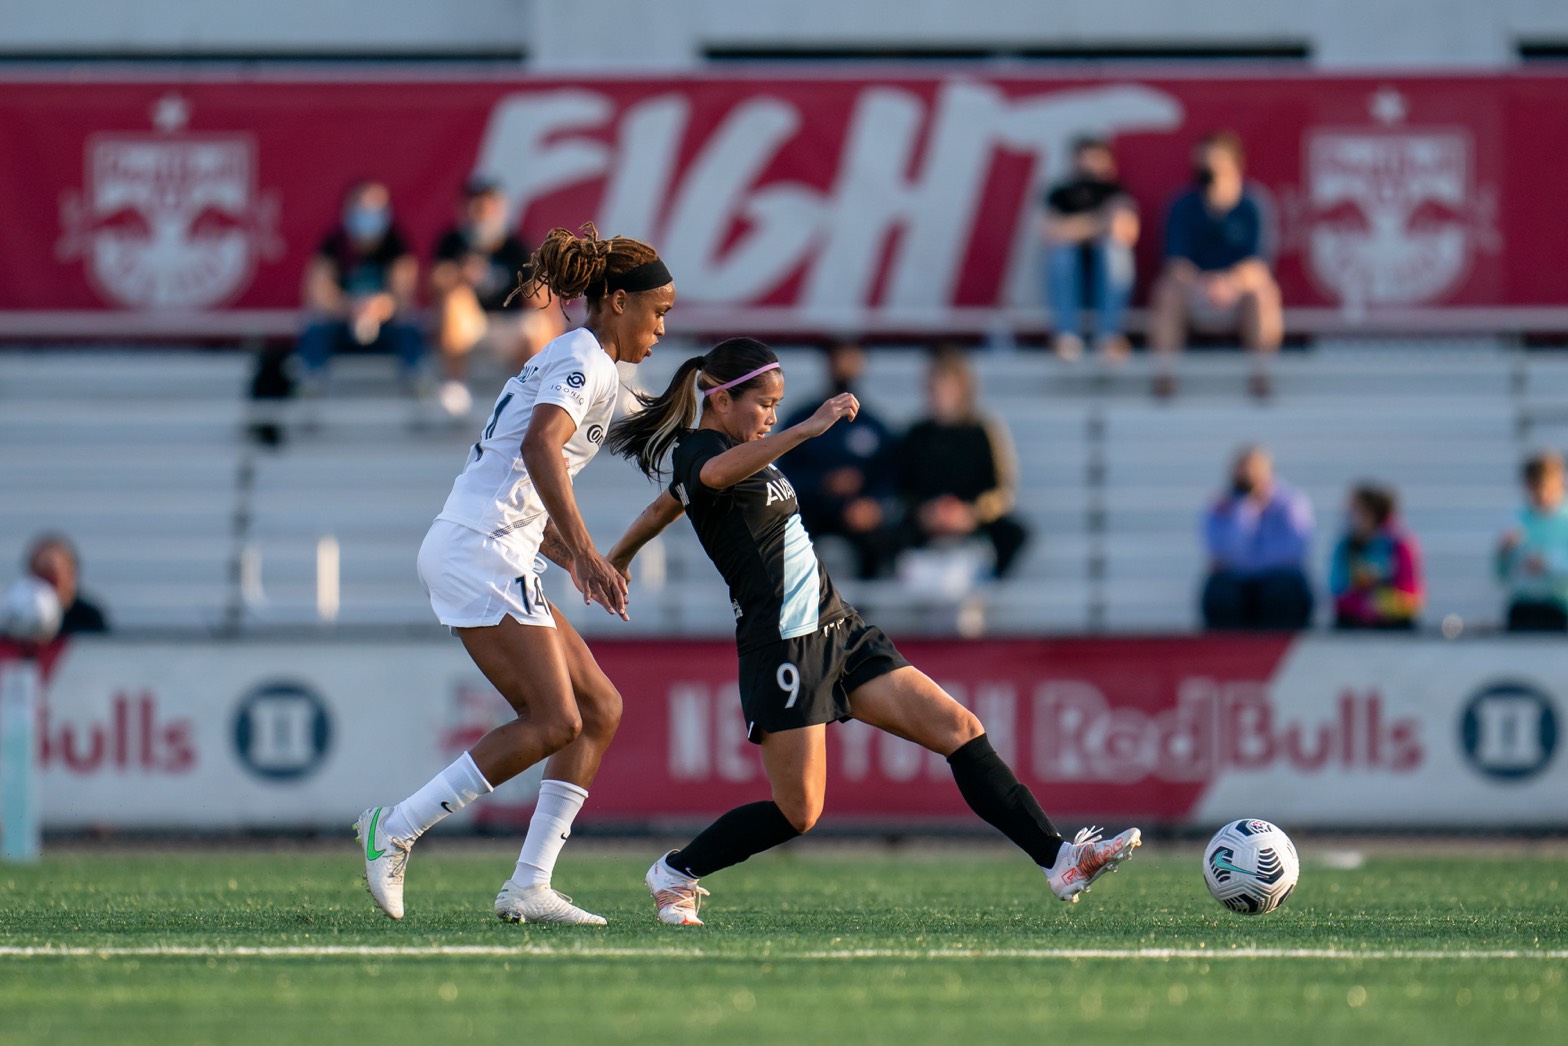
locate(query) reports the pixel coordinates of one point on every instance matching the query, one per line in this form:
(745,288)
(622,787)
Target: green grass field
(951,945)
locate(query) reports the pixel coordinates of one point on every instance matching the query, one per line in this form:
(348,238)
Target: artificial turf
(868,944)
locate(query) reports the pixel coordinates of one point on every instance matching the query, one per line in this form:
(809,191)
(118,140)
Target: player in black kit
(806,657)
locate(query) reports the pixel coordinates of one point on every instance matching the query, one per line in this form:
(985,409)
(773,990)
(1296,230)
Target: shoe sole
(519,919)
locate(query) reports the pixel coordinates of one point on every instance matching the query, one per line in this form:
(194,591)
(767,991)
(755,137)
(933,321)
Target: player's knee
(561,729)
(802,812)
(601,712)
(967,728)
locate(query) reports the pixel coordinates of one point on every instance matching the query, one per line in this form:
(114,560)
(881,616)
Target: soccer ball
(1250,866)
(30,611)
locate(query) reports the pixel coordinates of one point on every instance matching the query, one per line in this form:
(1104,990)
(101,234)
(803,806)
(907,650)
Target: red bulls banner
(1320,731)
(188,203)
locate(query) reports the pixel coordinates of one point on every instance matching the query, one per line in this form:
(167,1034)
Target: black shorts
(801,682)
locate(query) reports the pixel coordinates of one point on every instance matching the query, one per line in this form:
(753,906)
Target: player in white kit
(510,509)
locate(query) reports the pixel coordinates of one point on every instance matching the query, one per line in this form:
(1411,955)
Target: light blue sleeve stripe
(802,591)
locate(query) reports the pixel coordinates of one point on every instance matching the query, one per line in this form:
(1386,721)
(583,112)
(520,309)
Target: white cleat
(386,859)
(540,904)
(1086,858)
(678,896)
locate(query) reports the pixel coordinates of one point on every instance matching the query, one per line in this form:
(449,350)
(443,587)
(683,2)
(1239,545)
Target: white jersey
(494,494)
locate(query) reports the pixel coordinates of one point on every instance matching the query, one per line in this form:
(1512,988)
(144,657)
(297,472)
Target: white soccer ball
(1250,866)
(30,611)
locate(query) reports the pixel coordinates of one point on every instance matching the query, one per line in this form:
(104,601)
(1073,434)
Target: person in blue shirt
(1532,555)
(1217,264)
(1257,535)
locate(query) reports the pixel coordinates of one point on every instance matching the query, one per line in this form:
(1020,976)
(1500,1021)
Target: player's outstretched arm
(649,523)
(725,470)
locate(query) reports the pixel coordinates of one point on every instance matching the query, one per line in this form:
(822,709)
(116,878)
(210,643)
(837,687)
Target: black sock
(994,792)
(735,836)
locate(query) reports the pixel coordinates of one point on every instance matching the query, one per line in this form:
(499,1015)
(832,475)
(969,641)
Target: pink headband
(742,379)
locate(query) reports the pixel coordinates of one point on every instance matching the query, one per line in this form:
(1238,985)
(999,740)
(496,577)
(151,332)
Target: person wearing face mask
(476,267)
(1257,535)
(1217,272)
(1090,228)
(844,477)
(1375,574)
(956,469)
(359,290)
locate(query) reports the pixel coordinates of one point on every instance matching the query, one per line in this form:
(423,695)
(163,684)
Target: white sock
(445,793)
(548,829)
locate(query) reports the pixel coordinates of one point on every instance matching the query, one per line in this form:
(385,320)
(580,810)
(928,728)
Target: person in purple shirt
(1217,270)
(1257,535)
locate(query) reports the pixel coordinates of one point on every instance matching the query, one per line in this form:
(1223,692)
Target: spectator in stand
(1090,227)
(359,290)
(1532,555)
(52,558)
(478,263)
(1217,265)
(843,479)
(957,474)
(1257,535)
(1375,575)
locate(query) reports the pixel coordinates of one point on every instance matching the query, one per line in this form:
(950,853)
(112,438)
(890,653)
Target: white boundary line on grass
(431,951)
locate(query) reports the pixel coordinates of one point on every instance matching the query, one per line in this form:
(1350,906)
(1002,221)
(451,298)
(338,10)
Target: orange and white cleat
(678,896)
(1086,858)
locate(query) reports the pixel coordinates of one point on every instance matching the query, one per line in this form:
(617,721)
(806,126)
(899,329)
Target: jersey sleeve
(695,449)
(569,383)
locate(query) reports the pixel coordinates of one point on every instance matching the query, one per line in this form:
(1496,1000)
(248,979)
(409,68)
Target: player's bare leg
(526,664)
(907,703)
(529,896)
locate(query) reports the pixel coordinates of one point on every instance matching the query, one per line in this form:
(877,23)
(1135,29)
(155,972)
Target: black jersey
(753,534)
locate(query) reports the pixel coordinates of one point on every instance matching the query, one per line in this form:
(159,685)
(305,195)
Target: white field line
(832,955)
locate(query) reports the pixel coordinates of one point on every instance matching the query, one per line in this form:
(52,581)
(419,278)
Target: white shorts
(474,580)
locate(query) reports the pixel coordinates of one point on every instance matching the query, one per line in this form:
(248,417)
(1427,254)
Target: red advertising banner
(818,200)
(1328,731)
(1105,727)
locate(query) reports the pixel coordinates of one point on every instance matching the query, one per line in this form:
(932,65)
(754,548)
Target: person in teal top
(1532,555)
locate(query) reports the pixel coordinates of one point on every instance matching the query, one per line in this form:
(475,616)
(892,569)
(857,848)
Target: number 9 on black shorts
(801,682)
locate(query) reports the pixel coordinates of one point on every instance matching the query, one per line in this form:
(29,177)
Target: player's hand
(622,565)
(844,405)
(599,582)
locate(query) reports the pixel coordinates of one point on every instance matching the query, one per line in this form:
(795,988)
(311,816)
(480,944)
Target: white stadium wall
(1317,732)
(675,34)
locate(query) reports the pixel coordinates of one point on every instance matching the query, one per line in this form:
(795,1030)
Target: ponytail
(646,436)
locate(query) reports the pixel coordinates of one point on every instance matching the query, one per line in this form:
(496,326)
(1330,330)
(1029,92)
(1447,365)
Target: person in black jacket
(845,476)
(53,558)
(956,470)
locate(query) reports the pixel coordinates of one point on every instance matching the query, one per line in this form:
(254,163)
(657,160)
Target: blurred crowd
(937,499)
(1217,273)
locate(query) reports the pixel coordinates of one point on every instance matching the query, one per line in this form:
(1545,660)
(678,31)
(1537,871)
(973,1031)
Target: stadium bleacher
(184,524)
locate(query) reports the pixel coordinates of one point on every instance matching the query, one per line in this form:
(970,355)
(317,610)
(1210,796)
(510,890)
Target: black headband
(644,277)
